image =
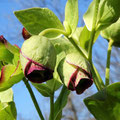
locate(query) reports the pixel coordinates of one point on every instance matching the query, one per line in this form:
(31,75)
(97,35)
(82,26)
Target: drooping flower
(38,59)
(74,71)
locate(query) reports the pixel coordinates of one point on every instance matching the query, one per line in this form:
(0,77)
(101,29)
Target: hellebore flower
(74,71)
(38,59)
(25,34)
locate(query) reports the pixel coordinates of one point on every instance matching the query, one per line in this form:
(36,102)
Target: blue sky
(11,29)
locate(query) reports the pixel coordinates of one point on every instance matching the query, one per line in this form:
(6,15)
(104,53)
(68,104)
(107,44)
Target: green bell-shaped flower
(38,59)
(74,71)
(113,33)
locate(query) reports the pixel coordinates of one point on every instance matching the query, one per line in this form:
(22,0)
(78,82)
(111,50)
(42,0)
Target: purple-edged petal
(83,85)
(71,83)
(37,73)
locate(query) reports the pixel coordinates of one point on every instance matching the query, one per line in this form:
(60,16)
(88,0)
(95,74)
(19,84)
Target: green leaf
(76,35)
(54,84)
(43,89)
(5,54)
(10,74)
(6,96)
(105,105)
(8,111)
(71,14)
(108,13)
(85,38)
(36,20)
(61,102)
(112,32)
(7,106)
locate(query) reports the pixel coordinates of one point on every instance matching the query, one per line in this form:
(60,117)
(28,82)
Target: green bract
(74,71)
(112,33)
(38,59)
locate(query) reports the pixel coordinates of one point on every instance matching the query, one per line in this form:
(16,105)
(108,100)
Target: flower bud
(74,71)
(25,34)
(2,39)
(38,59)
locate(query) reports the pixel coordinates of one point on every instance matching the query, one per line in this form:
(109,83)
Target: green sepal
(105,104)
(40,50)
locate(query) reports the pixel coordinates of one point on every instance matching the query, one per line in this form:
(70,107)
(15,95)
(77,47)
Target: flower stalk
(107,74)
(52,107)
(33,99)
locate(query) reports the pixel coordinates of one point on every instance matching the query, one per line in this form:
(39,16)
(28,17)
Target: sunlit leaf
(7,106)
(108,13)
(43,89)
(112,32)
(36,20)
(10,74)
(105,105)
(71,14)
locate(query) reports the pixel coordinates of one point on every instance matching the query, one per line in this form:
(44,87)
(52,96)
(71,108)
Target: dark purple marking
(2,75)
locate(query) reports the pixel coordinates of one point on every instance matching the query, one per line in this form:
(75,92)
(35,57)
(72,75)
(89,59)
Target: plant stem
(52,107)
(107,74)
(53,30)
(77,48)
(98,81)
(93,30)
(33,98)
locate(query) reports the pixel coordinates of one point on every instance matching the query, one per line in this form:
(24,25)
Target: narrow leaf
(61,102)
(43,89)
(71,14)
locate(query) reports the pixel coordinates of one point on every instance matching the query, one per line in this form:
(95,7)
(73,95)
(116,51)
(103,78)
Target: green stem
(33,98)
(53,30)
(98,82)
(107,74)
(93,30)
(77,48)
(51,107)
